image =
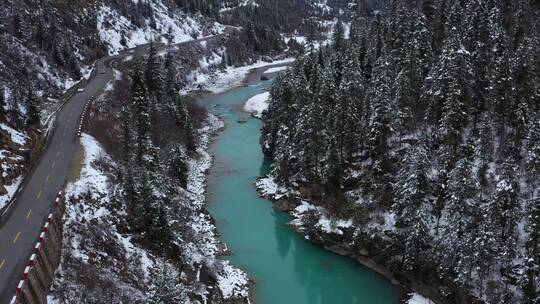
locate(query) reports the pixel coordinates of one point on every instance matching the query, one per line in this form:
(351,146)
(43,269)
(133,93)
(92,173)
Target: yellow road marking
(47,178)
(16,237)
(39,194)
(53,164)
(29,213)
(2,264)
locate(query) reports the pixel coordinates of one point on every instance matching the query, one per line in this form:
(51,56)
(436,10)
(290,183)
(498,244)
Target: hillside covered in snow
(414,143)
(48,46)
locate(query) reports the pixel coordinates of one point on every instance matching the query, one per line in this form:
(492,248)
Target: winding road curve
(21,224)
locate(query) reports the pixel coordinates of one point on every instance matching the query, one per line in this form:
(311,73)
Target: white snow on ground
(276,69)
(117,75)
(11,162)
(91,179)
(257,104)
(268,187)
(230,77)
(418,299)
(325,224)
(86,72)
(11,189)
(16,136)
(81,214)
(109,86)
(233,282)
(111,25)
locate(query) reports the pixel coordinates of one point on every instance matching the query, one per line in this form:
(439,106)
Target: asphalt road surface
(23,222)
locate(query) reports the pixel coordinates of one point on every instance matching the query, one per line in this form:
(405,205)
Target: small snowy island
(257,104)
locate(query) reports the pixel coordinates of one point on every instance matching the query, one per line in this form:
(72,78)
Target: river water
(286,268)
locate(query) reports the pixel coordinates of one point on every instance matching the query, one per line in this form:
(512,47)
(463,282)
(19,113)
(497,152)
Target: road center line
(2,264)
(58,153)
(62,143)
(53,164)
(39,194)
(48,176)
(16,237)
(29,213)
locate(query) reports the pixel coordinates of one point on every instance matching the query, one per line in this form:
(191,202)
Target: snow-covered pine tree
(531,282)
(411,186)
(167,288)
(178,165)
(338,37)
(448,89)
(141,107)
(32,108)
(152,75)
(380,126)
(127,145)
(2,101)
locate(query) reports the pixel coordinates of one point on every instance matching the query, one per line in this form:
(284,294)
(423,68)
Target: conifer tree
(380,122)
(32,109)
(178,166)
(338,37)
(3,102)
(417,240)
(461,201)
(531,284)
(448,91)
(141,107)
(152,74)
(412,186)
(126,134)
(147,204)
(166,288)
(134,210)
(533,150)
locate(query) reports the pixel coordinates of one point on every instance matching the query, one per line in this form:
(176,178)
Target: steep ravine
(284,266)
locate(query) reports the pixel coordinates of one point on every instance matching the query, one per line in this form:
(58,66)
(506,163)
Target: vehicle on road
(80,90)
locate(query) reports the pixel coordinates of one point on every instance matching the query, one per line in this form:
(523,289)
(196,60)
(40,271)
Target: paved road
(22,223)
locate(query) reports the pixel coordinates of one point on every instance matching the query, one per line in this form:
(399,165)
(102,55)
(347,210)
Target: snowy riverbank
(257,104)
(317,225)
(224,80)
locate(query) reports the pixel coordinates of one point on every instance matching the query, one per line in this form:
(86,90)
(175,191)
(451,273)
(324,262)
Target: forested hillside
(423,130)
(142,185)
(48,46)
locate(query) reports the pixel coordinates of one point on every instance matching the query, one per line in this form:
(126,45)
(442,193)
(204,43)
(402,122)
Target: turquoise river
(286,268)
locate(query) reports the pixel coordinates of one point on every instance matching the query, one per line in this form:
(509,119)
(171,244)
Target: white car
(80,90)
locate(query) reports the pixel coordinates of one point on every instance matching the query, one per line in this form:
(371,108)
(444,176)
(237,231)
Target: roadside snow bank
(257,104)
(91,180)
(10,191)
